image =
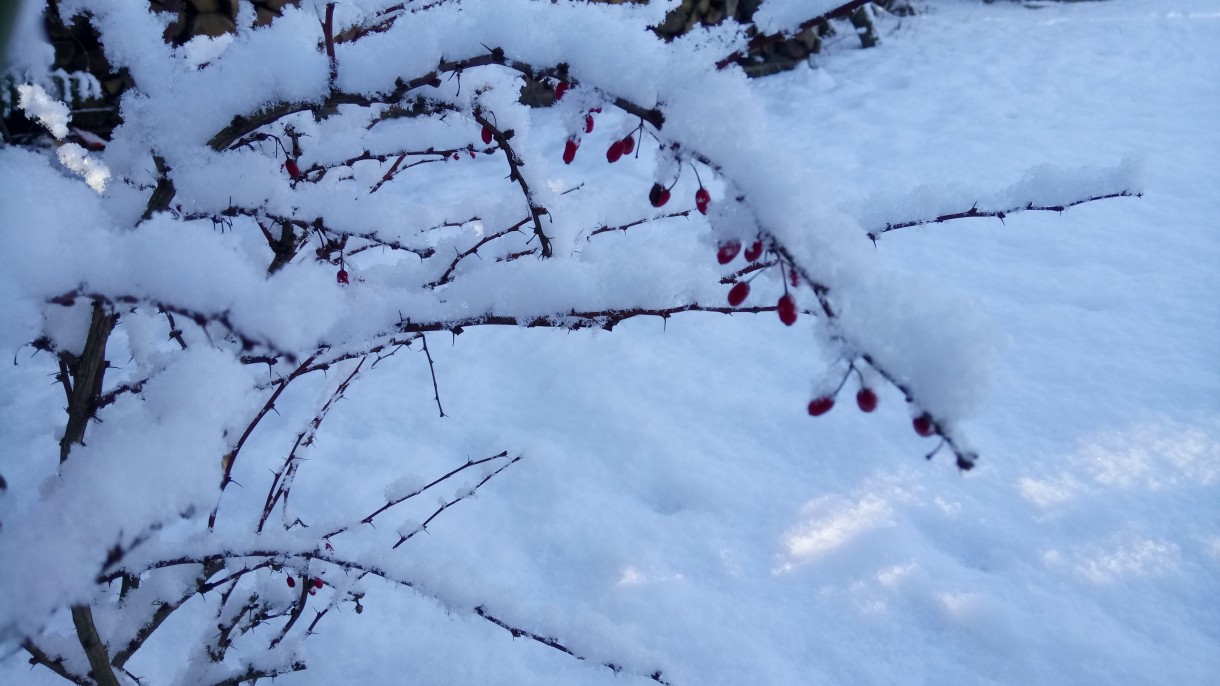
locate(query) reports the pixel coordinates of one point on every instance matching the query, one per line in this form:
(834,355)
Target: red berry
(794,278)
(457,156)
(560,89)
(471,154)
(754,252)
(615,152)
(727,251)
(292,583)
(738,293)
(923,425)
(787,309)
(866,399)
(588,123)
(702,198)
(820,406)
(290,165)
(628,144)
(487,135)
(341,277)
(317,583)
(569,150)
(659,195)
(312,592)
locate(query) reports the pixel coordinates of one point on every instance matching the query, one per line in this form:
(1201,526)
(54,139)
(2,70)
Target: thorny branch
(368,519)
(432,368)
(454,501)
(1000,214)
(514,174)
(282,483)
(553,643)
(55,664)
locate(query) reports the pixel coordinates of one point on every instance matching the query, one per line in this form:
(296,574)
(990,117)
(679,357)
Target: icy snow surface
(676,508)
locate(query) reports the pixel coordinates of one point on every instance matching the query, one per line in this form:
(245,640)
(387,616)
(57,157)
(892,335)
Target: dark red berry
(702,198)
(569,150)
(292,583)
(629,144)
(923,425)
(487,135)
(787,309)
(866,399)
(588,123)
(317,583)
(659,195)
(727,250)
(738,293)
(471,154)
(794,278)
(290,165)
(560,89)
(820,406)
(614,152)
(341,277)
(312,592)
(457,156)
(754,252)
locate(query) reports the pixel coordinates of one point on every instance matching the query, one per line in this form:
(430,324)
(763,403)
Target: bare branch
(445,278)
(514,174)
(395,501)
(282,483)
(999,214)
(450,503)
(55,664)
(432,368)
(553,643)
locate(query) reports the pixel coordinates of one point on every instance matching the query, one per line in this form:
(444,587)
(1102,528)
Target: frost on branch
(316,196)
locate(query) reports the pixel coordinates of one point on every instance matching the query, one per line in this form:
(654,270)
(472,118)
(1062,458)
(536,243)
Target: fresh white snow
(676,509)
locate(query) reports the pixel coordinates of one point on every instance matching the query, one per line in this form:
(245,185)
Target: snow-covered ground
(678,510)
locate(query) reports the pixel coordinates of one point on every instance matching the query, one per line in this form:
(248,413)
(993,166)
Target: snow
(675,509)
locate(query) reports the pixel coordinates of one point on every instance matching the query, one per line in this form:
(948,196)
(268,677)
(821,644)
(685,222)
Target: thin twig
(432,368)
(999,214)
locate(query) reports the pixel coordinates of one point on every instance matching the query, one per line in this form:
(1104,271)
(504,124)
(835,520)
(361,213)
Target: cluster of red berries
(866,400)
(728,250)
(316,583)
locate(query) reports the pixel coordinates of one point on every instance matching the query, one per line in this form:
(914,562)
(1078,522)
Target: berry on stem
(569,150)
(754,252)
(629,144)
(738,293)
(560,89)
(787,309)
(659,195)
(317,583)
(702,198)
(820,406)
(292,583)
(341,277)
(614,152)
(727,250)
(588,123)
(866,398)
(487,135)
(290,165)
(923,425)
